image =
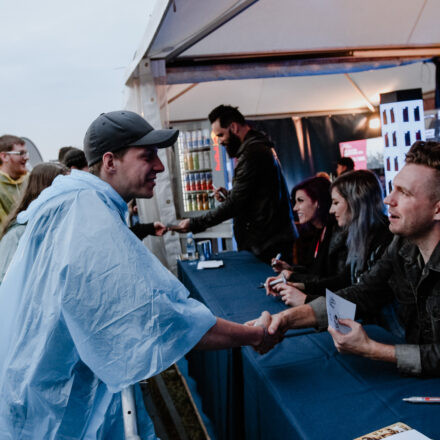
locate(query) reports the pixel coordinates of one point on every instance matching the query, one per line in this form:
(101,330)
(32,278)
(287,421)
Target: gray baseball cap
(114,131)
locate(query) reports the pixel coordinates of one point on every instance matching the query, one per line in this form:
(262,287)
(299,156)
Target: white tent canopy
(276,57)
(263,44)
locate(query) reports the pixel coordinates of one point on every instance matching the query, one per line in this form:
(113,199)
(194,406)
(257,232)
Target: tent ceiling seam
(208,29)
(359,90)
(187,89)
(416,22)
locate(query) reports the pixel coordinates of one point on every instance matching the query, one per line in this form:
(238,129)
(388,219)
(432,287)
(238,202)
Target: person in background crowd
(40,178)
(344,165)
(408,273)
(141,230)
(323,174)
(259,201)
(357,204)
(13,171)
(75,159)
(62,152)
(87,310)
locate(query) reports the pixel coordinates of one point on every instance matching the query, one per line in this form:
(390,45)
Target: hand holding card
(339,308)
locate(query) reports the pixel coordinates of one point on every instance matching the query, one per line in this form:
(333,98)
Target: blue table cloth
(231,292)
(304,389)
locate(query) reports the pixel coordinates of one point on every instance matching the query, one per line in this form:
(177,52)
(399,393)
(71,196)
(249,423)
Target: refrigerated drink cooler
(194,159)
(201,164)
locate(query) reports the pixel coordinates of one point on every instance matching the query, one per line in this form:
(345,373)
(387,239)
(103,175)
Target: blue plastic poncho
(85,310)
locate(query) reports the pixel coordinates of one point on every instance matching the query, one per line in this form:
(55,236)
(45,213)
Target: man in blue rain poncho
(85,308)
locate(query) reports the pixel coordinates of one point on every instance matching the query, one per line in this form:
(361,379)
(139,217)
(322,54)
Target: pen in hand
(221,195)
(278,256)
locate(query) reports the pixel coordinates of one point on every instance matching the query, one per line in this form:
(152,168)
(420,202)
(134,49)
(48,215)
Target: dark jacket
(401,277)
(259,201)
(377,241)
(330,259)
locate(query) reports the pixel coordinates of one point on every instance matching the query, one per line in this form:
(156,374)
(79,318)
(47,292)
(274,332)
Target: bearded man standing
(259,200)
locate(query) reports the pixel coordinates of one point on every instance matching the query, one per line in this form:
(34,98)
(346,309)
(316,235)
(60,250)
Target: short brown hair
(95,169)
(424,153)
(7,142)
(427,154)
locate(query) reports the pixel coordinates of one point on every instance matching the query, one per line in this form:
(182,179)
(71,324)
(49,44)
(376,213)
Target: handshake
(160,229)
(274,329)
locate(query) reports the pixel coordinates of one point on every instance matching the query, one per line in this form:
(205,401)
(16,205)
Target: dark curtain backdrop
(321,134)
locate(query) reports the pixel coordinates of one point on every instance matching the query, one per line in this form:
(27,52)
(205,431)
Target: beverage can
(187,182)
(197,182)
(205,202)
(203,183)
(207,159)
(201,160)
(199,139)
(188,141)
(199,202)
(196,163)
(190,161)
(209,181)
(211,202)
(206,137)
(192,182)
(189,203)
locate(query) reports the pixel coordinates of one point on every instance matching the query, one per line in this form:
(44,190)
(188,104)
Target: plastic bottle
(191,248)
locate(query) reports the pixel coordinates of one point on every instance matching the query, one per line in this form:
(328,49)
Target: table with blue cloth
(302,389)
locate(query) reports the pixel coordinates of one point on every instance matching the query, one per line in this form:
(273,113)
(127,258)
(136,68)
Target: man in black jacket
(259,201)
(408,274)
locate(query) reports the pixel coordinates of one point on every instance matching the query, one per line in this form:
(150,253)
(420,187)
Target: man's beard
(233,144)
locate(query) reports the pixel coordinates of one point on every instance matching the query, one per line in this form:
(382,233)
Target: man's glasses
(18,153)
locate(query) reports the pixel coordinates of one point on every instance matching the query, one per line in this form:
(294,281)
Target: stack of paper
(210,264)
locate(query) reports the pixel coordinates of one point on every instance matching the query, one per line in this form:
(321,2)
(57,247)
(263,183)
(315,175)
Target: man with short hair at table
(85,309)
(13,172)
(407,275)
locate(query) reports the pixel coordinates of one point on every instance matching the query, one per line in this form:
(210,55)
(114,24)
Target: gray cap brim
(157,138)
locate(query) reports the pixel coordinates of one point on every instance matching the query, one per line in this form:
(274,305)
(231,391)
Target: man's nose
(158,165)
(389,199)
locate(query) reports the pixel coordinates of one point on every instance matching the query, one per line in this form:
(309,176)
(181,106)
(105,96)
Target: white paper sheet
(339,308)
(412,434)
(209,264)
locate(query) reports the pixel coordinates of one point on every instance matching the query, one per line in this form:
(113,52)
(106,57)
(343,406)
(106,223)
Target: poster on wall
(366,153)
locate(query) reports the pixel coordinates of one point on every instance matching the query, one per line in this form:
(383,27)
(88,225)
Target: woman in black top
(358,207)
(320,249)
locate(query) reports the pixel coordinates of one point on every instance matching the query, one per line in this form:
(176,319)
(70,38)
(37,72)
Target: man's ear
(437,211)
(234,128)
(108,162)
(4,157)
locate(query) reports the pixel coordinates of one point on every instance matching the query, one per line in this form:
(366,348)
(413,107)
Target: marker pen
(422,399)
(278,281)
(222,196)
(278,256)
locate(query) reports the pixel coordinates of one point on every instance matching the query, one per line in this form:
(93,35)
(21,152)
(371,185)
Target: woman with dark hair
(357,204)
(40,178)
(320,248)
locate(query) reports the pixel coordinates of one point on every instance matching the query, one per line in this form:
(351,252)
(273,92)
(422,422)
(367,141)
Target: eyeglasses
(18,153)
